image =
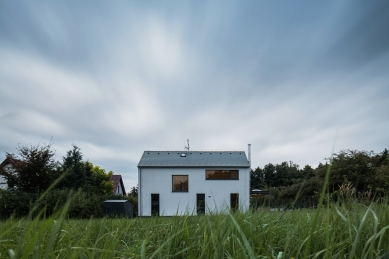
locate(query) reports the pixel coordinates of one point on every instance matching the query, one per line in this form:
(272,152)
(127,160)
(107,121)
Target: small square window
(180,183)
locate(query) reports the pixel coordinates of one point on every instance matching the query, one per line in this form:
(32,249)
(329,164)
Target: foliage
(83,205)
(361,232)
(134,201)
(133,198)
(352,166)
(257,178)
(98,181)
(74,169)
(134,191)
(35,169)
(367,172)
(83,174)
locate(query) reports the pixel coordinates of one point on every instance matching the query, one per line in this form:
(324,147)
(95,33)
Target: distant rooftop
(194,159)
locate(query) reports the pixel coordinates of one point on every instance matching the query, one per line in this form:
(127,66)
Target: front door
(155,204)
(200,203)
(234,200)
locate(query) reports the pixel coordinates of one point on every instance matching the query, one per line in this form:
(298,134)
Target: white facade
(119,190)
(3,182)
(217,192)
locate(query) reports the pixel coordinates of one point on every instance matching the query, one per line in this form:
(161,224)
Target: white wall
(119,189)
(3,182)
(217,192)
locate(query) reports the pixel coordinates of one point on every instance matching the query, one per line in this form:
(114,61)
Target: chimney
(249,154)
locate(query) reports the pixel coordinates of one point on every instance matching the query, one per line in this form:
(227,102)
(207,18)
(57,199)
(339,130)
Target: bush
(83,205)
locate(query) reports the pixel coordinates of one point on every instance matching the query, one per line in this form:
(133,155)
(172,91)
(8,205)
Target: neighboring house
(7,165)
(118,186)
(193,182)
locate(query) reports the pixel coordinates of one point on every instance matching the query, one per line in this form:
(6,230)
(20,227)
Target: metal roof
(194,159)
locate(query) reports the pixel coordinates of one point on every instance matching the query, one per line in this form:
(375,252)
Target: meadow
(355,231)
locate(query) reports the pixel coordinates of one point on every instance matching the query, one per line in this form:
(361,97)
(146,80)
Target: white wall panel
(217,192)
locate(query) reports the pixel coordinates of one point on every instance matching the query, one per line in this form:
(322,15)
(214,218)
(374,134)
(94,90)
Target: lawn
(330,232)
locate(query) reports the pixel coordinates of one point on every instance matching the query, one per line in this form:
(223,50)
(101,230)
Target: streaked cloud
(294,79)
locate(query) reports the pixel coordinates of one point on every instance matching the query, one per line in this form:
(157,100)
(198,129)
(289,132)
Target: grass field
(336,232)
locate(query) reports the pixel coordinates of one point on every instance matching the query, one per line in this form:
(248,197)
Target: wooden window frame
(173,183)
(221,179)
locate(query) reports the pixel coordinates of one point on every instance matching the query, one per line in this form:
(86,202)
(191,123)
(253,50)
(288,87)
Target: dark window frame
(173,182)
(221,179)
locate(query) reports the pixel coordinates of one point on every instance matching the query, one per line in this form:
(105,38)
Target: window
(180,183)
(222,174)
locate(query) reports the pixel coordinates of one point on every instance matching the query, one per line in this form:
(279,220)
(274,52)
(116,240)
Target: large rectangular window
(222,174)
(180,183)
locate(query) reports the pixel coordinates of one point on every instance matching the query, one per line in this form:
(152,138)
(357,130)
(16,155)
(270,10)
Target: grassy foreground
(336,232)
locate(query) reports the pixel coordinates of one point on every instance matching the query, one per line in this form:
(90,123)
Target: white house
(192,182)
(6,165)
(3,182)
(118,186)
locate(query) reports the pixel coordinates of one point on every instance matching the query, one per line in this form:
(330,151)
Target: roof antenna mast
(187,147)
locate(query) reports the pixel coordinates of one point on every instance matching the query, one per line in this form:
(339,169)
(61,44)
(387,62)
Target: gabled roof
(9,160)
(117,179)
(208,159)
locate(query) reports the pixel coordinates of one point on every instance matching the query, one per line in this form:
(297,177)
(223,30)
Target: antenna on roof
(187,147)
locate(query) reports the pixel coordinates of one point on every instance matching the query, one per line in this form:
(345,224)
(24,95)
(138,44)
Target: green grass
(334,232)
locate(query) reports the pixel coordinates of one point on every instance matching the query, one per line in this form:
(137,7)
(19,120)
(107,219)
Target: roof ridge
(195,151)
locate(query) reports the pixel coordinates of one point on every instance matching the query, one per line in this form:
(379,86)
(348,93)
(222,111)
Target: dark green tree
(269,171)
(74,169)
(307,172)
(134,191)
(256,179)
(284,174)
(35,169)
(352,166)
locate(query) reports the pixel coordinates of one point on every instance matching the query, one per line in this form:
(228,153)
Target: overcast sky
(296,79)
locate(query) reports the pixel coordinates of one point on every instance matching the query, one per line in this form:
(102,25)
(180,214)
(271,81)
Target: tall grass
(360,232)
(331,231)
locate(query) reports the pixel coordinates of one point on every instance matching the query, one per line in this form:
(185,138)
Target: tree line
(357,174)
(35,170)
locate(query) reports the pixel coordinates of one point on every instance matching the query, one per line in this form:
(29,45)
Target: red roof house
(118,186)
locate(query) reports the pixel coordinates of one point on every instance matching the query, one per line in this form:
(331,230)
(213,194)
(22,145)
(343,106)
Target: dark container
(118,208)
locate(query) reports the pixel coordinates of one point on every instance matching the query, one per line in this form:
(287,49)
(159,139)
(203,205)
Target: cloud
(118,79)
(33,81)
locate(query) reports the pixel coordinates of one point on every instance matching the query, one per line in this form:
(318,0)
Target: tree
(35,169)
(269,174)
(353,166)
(256,178)
(74,169)
(307,172)
(97,180)
(134,191)
(283,174)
